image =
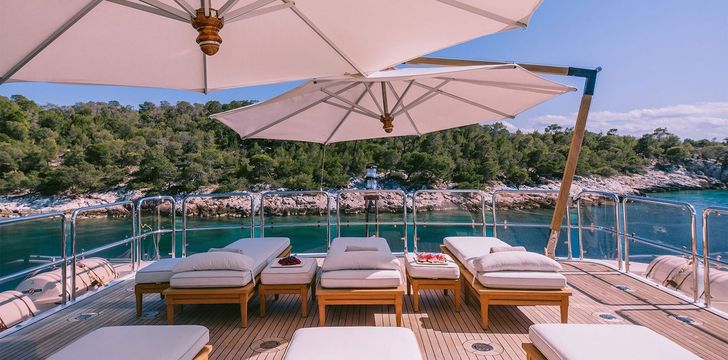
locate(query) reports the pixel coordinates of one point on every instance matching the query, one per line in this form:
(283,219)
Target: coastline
(652,180)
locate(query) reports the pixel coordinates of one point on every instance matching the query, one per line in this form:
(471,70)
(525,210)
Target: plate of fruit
(288,261)
(431,259)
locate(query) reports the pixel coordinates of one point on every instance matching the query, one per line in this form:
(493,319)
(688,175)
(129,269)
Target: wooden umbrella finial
(208,28)
(387,122)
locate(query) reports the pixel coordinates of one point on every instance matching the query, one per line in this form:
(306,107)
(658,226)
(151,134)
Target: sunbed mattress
(179,342)
(353,343)
(157,272)
(339,244)
(531,280)
(587,341)
(468,248)
(361,279)
(262,250)
(210,279)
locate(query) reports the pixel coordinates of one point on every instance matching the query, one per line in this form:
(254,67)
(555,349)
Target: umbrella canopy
(398,102)
(157,43)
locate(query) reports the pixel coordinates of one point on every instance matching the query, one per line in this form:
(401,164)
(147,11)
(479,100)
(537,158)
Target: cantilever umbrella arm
(590,79)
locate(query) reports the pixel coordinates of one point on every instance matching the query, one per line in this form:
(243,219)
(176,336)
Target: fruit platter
(430,259)
(288,261)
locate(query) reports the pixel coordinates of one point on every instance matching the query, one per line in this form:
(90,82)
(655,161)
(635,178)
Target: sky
(664,65)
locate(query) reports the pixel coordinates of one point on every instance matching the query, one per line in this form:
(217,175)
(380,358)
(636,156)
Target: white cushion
(210,279)
(360,248)
(290,275)
(214,261)
(450,270)
(232,250)
(523,280)
(262,250)
(157,272)
(370,279)
(360,260)
(353,343)
(467,248)
(587,341)
(339,244)
(158,342)
(515,261)
(497,249)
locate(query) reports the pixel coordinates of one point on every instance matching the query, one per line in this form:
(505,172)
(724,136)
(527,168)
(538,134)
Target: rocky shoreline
(653,180)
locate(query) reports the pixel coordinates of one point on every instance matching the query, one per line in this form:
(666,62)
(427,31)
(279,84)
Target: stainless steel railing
(242,226)
(693,253)
(415,223)
(708,213)
(129,240)
(616,232)
(271,194)
(374,196)
(63,247)
(141,235)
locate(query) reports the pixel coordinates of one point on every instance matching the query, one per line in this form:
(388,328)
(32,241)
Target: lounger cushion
(179,342)
(360,260)
(262,250)
(515,261)
(232,250)
(157,272)
(339,244)
(523,280)
(215,261)
(497,249)
(424,271)
(210,279)
(272,275)
(353,343)
(468,248)
(370,279)
(589,341)
(360,248)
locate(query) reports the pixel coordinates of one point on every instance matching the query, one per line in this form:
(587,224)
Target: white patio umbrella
(154,43)
(398,102)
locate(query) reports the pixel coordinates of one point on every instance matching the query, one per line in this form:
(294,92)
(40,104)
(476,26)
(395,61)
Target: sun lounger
(510,287)
(222,277)
(185,342)
(153,279)
(366,274)
(353,343)
(600,342)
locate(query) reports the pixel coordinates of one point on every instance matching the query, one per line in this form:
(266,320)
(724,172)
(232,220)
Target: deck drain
(269,345)
(482,347)
(148,315)
(608,317)
(84,316)
(624,288)
(686,319)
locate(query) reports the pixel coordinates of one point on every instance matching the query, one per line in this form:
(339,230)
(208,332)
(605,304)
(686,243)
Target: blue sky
(664,64)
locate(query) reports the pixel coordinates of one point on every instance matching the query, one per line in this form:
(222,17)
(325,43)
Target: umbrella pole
(323,162)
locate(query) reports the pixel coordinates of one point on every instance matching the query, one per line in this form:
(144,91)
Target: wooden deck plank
(440,331)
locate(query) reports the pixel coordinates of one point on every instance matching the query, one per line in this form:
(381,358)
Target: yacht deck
(441,332)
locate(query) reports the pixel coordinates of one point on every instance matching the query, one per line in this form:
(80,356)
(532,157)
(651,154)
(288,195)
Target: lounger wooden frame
(532,353)
(276,289)
(382,296)
(149,288)
(488,296)
(204,354)
(235,295)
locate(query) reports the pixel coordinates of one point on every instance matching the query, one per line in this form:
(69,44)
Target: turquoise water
(30,244)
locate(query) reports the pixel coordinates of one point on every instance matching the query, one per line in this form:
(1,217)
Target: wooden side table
(436,277)
(288,280)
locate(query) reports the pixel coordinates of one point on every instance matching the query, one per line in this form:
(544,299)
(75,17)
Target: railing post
(568,229)
(626,234)
(64,266)
(706,260)
(73,254)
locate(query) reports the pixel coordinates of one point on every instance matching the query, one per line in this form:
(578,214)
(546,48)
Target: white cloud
(699,121)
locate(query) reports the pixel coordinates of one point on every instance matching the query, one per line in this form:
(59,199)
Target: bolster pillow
(515,261)
(361,260)
(215,261)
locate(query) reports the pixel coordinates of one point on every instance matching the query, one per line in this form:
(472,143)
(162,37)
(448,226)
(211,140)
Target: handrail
(494,203)
(214,196)
(706,249)
(267,194)
(483,222)
(74,218)
(376,220)
(679,204)
(141,236)
(64,255)
(612,196)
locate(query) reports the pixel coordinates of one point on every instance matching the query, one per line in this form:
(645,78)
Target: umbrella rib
(266,127)
(487,14)
(149,9)
(369,90)
(422,98)
(399,100)
(168,9)
(351,109)
(245,10)
(327,102)
(258,12)
(187,7)
(541,89)
(51,38)
(224,8)
(336,95)
(470,102)
(391,88)
(323,36)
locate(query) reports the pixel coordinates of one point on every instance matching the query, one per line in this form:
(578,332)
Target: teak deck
(441,332)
